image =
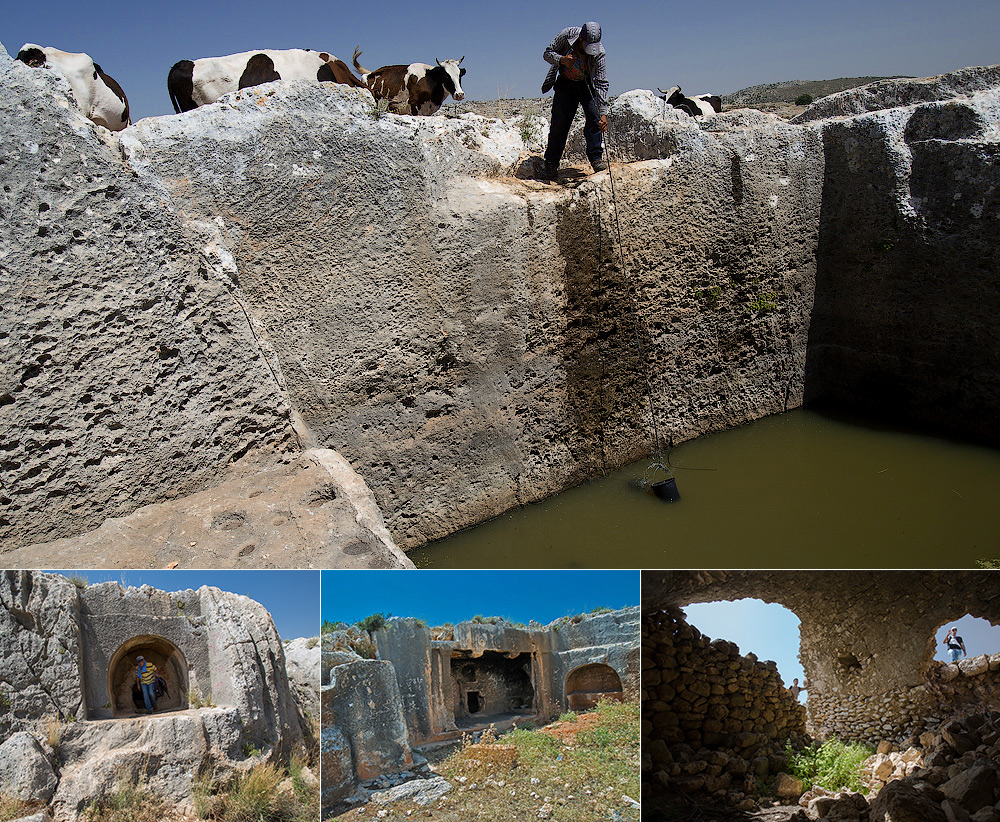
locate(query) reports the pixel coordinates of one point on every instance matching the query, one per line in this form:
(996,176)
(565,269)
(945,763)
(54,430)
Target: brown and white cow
(697,106)
(97,94)
(194,83)
(414,89)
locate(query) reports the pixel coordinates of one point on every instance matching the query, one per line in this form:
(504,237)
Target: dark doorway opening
(475,704)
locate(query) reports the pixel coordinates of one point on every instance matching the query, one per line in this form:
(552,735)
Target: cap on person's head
(140,659)
(591,34)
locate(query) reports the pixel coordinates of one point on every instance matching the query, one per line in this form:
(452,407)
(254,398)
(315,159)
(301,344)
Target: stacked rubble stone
(714,721)
(947,775)
(899,713)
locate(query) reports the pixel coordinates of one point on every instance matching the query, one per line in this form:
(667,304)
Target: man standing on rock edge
(579,76)
(954,643)
(145,672)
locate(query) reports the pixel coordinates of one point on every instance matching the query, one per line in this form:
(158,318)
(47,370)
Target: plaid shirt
(561,46)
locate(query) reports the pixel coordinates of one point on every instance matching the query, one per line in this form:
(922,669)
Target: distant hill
(788,90)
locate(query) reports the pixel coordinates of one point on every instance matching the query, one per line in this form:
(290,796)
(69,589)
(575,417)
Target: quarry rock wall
(198,308)
(906,285)
(872,671)
(383,287)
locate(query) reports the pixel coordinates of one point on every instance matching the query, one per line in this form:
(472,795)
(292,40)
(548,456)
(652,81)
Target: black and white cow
(701,104)
(414,89)
(97,94)
(194,83)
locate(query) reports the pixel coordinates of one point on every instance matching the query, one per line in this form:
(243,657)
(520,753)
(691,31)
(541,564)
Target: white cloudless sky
(715,46)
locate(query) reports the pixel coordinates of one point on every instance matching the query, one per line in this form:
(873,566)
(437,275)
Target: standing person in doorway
(954,643)
(579,77)
(145,672)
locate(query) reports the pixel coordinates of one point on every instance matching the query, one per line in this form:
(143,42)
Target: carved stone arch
(170,664)
(587,684)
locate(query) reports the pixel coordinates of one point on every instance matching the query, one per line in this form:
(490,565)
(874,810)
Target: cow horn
(460,61)
(437,61)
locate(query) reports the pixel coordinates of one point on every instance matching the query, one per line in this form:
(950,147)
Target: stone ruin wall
(703,693)
(867,641)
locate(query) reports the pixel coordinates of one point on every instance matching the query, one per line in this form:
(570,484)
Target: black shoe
(548,171)
(599,164)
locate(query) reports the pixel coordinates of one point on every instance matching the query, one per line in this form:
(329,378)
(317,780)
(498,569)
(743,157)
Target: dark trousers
(568,95)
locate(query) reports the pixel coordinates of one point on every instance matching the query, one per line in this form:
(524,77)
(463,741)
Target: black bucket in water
(667,490)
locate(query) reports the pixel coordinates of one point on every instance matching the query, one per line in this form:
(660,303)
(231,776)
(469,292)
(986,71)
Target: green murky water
(803,489)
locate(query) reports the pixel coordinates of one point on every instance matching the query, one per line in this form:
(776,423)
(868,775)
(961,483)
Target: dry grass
(11,808)
(265,793)
(131,801)
(579,777)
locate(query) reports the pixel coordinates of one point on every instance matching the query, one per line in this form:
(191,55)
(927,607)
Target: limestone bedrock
(284,269)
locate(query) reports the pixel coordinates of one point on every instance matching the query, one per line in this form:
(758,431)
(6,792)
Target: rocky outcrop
(906,293)
(294,270)
(67,665)
(302,663)
(285,269)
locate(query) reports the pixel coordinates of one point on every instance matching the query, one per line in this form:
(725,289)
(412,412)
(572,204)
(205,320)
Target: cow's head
(453,77)
(32,55)
(672,95)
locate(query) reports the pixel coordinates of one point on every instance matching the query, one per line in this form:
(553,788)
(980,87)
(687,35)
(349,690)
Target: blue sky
(292,597)
(439,596)
(772,632)
(718,46)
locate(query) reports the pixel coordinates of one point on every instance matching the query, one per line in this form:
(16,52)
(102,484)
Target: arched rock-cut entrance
(170,664)
(586,685)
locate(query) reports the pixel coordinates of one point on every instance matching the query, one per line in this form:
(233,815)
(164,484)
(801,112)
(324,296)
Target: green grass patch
(832,765)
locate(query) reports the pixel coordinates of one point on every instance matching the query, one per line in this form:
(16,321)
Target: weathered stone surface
(337,768)
(69,654)
(302,663)
(973,788)
(40,650)
(363,701)
(25,770)
(418,791)
(787,787)
(131,367)
(888,94)
(899,802)
(904,283)
(310,512)
(167,751)
(373,280)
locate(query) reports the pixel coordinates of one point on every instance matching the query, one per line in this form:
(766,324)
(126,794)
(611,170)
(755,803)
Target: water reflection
(805,489)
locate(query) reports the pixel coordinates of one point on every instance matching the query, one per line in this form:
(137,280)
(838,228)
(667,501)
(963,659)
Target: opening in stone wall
(978,636)
(588,684)
(767,630)
(491,685)
(126,697)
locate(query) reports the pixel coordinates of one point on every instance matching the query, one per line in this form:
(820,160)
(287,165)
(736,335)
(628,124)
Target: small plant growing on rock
(373,623)
(528,129)
(79,581)
(53,730)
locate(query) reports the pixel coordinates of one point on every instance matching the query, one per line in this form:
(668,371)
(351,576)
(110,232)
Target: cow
(193,83)
(702,104)
(414,89)
(97,94)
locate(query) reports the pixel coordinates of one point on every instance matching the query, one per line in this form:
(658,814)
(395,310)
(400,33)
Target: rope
(657,451)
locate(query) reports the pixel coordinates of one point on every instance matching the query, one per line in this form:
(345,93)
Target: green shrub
(832,765)
(569,716)
(373,623)
(803,100)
